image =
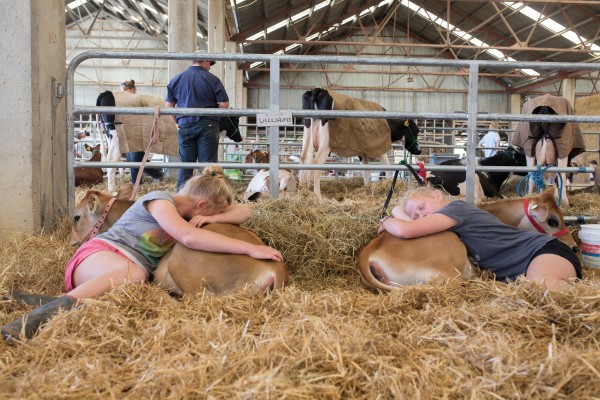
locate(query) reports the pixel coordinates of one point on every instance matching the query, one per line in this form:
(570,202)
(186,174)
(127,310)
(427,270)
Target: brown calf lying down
(89,176)
(388,261)
(183,270)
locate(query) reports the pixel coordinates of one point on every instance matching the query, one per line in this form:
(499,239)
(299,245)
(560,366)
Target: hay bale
(324,336)
(588,106)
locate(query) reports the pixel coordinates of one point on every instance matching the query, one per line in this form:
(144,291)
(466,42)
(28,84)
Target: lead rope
(154,135)
(538,180)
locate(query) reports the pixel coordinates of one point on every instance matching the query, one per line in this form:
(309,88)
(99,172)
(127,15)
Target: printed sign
(274,119)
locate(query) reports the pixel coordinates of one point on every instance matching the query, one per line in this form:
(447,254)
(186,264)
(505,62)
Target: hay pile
(324,336)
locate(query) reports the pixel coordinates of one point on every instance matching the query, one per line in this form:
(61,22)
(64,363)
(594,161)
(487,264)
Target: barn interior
(325,335)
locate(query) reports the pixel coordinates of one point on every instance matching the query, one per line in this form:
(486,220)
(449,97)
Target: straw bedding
(324,336)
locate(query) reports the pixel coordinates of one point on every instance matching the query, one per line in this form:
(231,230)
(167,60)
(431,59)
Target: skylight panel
(256,36)
(276,26)
(461,34)
(76,3)
(147,7)
(300,15)
(322,4)
(553,26)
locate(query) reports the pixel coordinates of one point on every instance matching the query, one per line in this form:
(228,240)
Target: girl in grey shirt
(503,249)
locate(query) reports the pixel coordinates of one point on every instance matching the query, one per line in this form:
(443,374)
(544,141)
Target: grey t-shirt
(491,244)
(138,232)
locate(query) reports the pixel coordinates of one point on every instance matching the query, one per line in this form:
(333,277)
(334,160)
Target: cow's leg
(478,195)
(163,278)
(385,161)
(113,155)
(562,163)
(307,153)
(530,163)
(321,155)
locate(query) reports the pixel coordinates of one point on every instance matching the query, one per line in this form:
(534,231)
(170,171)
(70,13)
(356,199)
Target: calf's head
(548,215)
(89,210)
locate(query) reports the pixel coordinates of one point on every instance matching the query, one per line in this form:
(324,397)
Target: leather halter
(92,234)
(537,226)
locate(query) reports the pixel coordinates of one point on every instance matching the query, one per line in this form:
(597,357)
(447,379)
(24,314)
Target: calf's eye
(553,222)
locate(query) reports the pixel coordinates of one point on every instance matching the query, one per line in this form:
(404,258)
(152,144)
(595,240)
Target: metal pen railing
(471,115)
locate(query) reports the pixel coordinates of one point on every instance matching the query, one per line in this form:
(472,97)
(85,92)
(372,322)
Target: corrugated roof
(305,27)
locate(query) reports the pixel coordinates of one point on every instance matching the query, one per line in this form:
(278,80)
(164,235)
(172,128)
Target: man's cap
(204,52)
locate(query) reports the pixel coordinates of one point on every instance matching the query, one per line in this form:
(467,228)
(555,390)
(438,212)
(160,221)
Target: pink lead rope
(153,139)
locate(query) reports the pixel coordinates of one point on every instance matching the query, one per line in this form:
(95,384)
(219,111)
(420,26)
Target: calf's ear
(94,204)
(548,193)
(538,211)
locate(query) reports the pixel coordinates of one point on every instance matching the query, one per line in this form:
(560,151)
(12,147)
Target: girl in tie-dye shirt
(130,250)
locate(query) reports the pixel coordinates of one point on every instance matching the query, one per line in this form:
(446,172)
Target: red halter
(537,226)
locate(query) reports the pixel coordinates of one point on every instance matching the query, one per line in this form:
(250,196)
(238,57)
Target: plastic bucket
(590,245)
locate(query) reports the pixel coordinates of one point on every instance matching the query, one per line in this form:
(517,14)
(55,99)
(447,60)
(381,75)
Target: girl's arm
(398,212)
(428,225)
(235,214)
(185,233)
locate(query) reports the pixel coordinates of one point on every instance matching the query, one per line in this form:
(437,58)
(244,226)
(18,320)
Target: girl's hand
(381,227)
(265,253)
(199,220)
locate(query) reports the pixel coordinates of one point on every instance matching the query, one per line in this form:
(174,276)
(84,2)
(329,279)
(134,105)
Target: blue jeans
(198,142)
(138,156)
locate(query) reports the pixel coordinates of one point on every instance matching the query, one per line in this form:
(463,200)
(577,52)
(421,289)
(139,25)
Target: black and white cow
(489,183)
(317,134)
(231,127)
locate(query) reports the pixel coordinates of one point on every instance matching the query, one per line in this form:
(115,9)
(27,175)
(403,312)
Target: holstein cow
(130,133)
(258,188)
(388,261)
(88,175)
(183,270)
(368,138)
(545,143)
(487,183)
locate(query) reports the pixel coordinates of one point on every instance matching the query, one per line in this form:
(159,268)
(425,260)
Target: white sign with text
(274,119)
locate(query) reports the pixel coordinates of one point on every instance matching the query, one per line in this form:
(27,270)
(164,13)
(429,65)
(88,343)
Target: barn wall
(32,155)
(391,86)
(97,75)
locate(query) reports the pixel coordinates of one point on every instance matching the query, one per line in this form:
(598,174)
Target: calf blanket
(134,130)
(365,137)
(569,143)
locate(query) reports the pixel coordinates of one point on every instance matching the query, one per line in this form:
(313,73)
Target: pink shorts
(86,249)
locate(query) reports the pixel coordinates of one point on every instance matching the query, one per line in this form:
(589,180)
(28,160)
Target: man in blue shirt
(198,136)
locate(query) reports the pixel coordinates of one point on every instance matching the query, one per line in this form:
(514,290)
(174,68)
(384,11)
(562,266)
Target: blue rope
(538,180)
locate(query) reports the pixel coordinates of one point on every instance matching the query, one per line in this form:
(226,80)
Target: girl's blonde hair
(494,125)
(212,186)
(421,191)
